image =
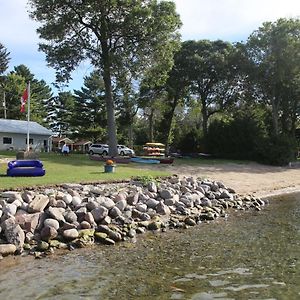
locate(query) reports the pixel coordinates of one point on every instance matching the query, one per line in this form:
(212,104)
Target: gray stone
(115,236)
(133,199)
(13,233)
(52,223)
(38,204)
(206,202)
(70,216)
(11,196)
(67,198)
(152,203)
(115,212)
(7,249)
(28,222)
(163,209)
(57,213)
(121,204)
(85,225)
(152,187)
(91,205)
(108,203)
(99,213)
(141,207)
(170,201)
(59,203)
(166,194)
(106,220)
(48,233)
(76,200)
(10,209)
(28,196)
(89,218)
(70,234)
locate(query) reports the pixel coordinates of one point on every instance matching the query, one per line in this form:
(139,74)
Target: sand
(250,178)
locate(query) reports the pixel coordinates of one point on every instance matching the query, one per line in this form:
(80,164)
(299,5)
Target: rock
(107,220)
(141,207)
(190,222)
(100,236)
(162,209)
(10,209)
(85,225)
(154,225)
(11,196)
(60,203)
(107,203)
(133,199)
(70,216)
(67,198)
(116,236)
(14,233)
(38,204)
(121,204)
(54,243)
(57,213)
(109,241)
(99,213)
(7,249)
(91,205)
(152,203)
(42,246)
(28,222)
(166,194)
(76,200)
(48,233)
(115,212)
(70,234)
(28,196)
(52,223)
(152,187)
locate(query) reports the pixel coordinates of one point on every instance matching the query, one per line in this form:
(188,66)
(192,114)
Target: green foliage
(4,59)
(145,179)
(273,51)
(236,138)
(277,150)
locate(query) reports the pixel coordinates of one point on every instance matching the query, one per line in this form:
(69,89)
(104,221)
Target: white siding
(19,142)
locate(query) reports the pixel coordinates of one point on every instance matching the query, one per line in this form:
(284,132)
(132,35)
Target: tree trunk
(151,125)
(170,122)
(275,114)
(110,106)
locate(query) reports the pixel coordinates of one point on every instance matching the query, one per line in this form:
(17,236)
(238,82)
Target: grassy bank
(76,168)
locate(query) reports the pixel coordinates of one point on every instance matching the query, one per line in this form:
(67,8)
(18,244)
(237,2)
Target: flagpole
(28,115)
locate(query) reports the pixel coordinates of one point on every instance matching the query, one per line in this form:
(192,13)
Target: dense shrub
(276,150)
(235,139)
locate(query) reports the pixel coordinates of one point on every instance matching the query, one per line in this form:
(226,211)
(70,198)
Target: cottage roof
(58,140)
(18,126)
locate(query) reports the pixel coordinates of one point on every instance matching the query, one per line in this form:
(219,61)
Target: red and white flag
(24,99)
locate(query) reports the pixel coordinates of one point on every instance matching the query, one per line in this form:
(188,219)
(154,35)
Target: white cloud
(230,19)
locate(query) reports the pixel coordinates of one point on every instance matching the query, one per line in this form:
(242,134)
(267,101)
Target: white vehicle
(101,149)
(123,150)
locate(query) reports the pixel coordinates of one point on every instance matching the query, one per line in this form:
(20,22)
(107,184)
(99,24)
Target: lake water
(249,255)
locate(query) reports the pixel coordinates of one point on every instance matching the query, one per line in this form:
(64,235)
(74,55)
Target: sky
(229,20)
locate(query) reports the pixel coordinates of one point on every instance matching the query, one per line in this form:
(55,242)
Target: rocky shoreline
(36,222)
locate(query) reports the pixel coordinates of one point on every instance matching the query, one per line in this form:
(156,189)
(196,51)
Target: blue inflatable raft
(144,160)
(25,168)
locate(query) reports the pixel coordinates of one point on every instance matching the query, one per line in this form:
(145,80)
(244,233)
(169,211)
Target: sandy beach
(250,178)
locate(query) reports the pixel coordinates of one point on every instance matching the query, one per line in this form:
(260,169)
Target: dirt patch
(251,178)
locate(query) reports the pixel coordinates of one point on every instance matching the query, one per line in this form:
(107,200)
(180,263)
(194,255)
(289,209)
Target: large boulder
(38,204)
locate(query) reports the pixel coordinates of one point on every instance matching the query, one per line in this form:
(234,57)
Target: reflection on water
(251,255)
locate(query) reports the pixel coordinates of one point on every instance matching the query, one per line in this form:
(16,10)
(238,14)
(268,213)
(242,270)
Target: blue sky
(230,20)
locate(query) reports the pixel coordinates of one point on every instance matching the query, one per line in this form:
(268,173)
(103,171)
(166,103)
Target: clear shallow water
(251,255)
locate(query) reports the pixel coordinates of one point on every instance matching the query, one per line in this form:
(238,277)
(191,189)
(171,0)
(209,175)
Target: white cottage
(13,135)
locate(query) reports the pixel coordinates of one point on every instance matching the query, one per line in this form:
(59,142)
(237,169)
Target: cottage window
(7,140)
(30,141)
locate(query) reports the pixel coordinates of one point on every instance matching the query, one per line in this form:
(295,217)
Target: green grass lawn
(75,168)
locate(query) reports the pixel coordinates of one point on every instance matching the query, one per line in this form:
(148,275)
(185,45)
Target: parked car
(123,150)
(101,149)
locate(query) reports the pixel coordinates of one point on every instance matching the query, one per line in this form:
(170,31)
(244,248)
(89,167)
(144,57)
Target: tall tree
(111,34)
(211,74)
(60,113)
(40,94)
(273,50)
(4,59)
(89,115)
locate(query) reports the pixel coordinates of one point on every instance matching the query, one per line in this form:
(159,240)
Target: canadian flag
(24,99)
